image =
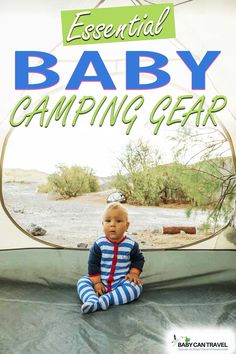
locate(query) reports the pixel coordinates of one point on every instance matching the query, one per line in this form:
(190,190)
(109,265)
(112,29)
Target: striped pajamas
(125,292)
(112,262)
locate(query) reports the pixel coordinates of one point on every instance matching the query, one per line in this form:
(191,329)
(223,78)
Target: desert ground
(78,220)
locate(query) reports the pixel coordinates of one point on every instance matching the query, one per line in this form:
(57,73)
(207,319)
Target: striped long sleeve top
(113,260)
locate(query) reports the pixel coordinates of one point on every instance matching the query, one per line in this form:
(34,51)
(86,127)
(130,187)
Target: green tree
(199,176)
(138,177)
(72,181)
(207,171)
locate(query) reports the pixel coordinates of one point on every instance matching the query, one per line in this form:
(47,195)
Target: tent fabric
(40,310)
(39,307)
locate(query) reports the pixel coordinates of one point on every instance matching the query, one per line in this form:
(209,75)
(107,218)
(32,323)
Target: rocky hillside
(18,175)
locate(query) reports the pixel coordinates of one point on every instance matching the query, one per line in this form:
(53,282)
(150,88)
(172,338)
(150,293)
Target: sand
(78,220)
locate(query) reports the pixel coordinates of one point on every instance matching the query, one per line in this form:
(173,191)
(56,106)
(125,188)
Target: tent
(192,286)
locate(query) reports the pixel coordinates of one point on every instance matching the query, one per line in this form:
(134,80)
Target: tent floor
(37,318)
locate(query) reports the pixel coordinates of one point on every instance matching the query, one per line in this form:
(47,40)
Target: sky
(99,147)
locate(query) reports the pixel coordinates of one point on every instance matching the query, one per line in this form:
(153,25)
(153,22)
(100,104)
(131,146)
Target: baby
(115,263)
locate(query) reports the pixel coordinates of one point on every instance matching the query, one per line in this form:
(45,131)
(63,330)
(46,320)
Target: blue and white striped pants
(124,293)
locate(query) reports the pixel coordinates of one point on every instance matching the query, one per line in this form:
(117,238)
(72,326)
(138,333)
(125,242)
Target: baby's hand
(133,278)
(99,289)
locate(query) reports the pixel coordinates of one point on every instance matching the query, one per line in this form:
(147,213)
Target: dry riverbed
(78,220)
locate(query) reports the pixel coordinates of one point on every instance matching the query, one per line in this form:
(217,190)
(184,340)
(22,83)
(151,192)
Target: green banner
(118,24)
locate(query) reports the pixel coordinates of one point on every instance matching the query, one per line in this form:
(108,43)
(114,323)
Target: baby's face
(115,224)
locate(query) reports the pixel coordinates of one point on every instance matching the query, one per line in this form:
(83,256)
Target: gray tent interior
(181,288)
(190,287)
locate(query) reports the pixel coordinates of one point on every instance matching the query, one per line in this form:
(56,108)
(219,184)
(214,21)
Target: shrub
(138,178)
(72,181)
(43,188)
